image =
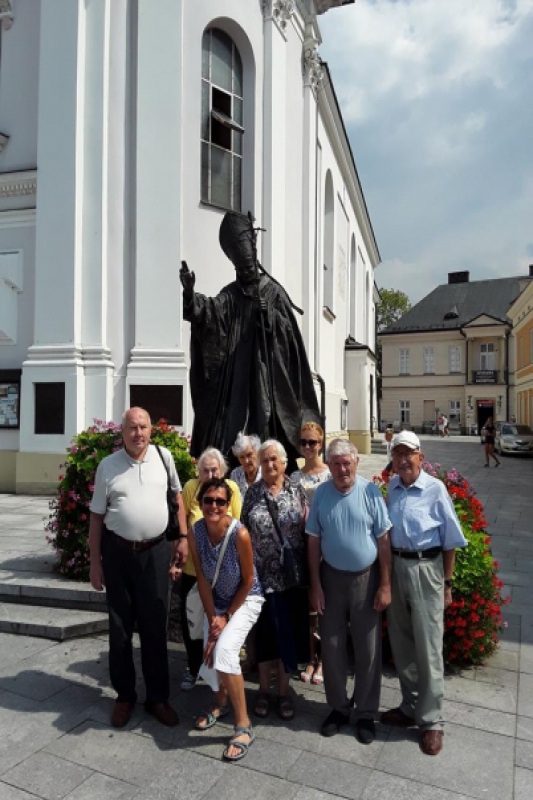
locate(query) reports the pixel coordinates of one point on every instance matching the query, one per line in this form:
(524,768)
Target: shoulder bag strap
(169,487)
(222,552)
(273,513)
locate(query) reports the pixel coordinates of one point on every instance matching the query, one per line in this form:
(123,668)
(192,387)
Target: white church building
(127,129)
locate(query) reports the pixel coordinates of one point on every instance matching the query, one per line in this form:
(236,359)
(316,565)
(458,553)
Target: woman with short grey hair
(246,449)
(208,455)
(274,512)
(277,446)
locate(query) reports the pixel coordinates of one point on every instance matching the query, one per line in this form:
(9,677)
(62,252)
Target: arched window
(329,243)
(353,289)
(367,310)
(222,118)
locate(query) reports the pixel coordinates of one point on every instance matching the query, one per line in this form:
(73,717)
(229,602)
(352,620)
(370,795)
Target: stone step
(49,589)
(378,447)
(51,623)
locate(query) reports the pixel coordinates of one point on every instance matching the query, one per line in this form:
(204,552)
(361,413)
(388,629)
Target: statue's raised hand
(188,279)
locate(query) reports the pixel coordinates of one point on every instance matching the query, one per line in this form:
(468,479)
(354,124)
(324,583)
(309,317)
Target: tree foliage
(391,307)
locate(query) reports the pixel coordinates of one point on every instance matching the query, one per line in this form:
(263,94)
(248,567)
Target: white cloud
(438,102)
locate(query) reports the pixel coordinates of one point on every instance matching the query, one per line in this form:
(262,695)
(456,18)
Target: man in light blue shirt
(425,533)
(350,566)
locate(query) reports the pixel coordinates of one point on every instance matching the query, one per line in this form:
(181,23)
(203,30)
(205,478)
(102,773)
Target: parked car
(513,438)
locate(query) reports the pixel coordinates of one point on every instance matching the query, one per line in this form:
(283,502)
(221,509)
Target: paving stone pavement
(55,699)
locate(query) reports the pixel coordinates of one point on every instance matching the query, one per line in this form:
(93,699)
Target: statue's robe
(229,376)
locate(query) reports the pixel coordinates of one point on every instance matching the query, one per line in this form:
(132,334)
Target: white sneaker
(188,682)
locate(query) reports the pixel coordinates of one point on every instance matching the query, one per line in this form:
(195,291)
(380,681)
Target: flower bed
(473,621)
(68,524)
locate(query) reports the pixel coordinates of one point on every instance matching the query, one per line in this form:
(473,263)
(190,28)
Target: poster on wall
(9,405)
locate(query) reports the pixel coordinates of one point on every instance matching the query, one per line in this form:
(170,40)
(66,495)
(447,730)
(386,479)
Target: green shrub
(68,524)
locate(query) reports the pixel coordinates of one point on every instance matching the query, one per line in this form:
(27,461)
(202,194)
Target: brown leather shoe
(431,743)
(164,713)
(397,717)
(121,715)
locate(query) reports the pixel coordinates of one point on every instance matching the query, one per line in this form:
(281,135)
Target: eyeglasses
(219,502)
(409,455)
(308,442)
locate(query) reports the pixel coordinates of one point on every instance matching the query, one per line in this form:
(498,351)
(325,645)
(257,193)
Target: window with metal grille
(222,118)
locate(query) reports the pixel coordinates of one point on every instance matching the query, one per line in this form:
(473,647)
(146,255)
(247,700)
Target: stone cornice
(6,14)
(325,5)
(280,11)
(18,218)
(311,61)
(18,184)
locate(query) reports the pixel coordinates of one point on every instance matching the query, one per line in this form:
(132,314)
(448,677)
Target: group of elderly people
(351,557)
(265,549)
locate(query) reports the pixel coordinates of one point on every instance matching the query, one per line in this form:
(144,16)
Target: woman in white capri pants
(231,608)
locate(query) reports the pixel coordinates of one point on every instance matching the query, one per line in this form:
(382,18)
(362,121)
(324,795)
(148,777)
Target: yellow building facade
(521,315)
(453,354)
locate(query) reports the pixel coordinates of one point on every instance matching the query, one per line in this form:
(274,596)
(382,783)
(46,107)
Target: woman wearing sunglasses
(231,607)
(211,464)
(313,473)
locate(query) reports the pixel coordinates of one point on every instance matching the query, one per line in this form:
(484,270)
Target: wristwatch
(228,616)
(448,582)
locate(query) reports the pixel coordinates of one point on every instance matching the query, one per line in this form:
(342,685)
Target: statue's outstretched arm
(188,279)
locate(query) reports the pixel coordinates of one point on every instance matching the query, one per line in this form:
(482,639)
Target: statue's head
(236,237)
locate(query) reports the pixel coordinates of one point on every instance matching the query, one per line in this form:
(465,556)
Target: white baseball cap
(407,438)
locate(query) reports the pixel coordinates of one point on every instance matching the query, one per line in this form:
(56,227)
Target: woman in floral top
(313,473)
(282,628)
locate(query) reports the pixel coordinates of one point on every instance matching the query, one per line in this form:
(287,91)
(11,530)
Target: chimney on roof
(459,277)
(531,270)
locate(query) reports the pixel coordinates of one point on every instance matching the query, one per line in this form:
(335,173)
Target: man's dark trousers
(137,589)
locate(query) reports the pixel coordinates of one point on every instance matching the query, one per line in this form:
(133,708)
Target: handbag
(194,605)
(172,531)
(294,573)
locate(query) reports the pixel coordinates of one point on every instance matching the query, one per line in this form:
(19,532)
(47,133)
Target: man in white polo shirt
(130,557)
(350,566)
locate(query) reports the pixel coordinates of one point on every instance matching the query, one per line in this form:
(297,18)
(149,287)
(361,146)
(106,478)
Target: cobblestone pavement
(55,700)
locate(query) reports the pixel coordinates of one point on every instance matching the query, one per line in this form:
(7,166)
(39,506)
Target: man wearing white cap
(425,533)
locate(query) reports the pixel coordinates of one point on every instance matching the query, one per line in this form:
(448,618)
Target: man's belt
(419,555)
(137,547)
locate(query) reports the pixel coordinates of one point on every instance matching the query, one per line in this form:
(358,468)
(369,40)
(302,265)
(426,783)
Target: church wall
(119,104)
(19,68)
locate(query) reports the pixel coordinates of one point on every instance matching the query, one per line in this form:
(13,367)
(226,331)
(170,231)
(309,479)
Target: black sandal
(262,705)
(285,707)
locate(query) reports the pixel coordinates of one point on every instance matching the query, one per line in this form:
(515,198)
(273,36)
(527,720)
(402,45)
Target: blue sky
(437,98)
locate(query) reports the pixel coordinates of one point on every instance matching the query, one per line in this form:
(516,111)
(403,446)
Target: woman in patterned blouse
(282,628)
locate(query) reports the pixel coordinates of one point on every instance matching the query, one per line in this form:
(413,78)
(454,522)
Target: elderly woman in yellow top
(211,464)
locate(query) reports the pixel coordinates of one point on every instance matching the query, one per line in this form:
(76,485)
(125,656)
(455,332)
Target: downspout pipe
(463,334)
(507,387)
(322,383)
